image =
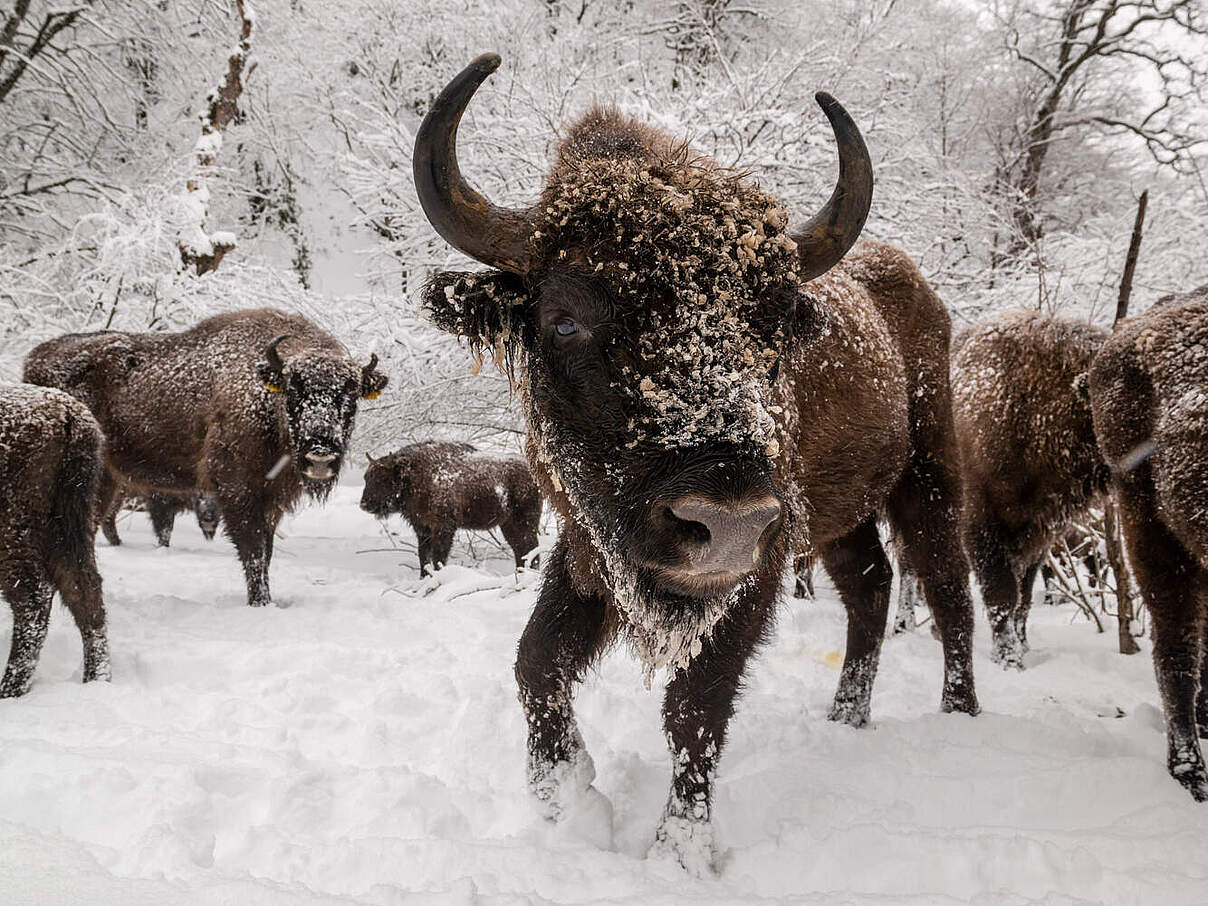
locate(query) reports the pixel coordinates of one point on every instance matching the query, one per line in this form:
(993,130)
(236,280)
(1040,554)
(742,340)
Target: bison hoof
(1007,653)
(1186,765)
(852,713)
(13,690)
(559,787)
(690,842)
(960,702)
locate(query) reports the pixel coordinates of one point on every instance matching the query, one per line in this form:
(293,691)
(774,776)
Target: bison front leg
(696,713)
(862,575)
(29,594)
(563,636)
(251,534)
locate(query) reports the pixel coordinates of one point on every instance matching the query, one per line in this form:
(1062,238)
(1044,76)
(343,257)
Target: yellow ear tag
(272,388)
(371,395)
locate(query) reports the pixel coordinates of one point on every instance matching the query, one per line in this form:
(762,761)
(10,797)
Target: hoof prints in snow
(367,747)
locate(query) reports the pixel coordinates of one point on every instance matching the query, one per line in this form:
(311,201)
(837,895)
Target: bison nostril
(691,530)
(726,536)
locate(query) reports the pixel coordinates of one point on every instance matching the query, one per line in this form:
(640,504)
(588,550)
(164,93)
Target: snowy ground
(362,744)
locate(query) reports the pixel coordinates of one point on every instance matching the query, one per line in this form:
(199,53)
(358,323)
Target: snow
(362,743)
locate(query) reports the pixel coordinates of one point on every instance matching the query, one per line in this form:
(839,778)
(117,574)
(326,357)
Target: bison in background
(441,487)
(705,393)
(1031,464)
(162,509)
(50,472)
(1149,393)
(253,407)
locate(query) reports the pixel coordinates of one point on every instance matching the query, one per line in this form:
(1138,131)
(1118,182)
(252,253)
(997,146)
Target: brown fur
(193,411)
(700,366)
(1149,392)
(50,467)
(1030,461)
(442,487)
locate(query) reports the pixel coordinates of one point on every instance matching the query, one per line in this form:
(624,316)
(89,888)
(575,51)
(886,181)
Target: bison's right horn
(835,229)
(271,354)
(498,237)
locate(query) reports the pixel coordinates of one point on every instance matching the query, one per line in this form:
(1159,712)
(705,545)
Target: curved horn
(495,236)
(373,360)
(834,229)
(271,354)
(370,458)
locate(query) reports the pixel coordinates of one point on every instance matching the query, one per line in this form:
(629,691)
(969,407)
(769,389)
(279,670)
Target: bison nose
(321,458)
(723,538)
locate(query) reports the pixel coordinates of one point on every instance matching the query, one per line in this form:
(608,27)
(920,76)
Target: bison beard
(695,410)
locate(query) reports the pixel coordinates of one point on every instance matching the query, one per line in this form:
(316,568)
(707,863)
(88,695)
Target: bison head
(208,515)
(385,485)
(320,389)
(642,307)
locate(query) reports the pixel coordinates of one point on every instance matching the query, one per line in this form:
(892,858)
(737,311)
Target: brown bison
(50,472)
(162,509)
(1149,392)
(441,487)
(705,392)
(254,408)
(1031,464)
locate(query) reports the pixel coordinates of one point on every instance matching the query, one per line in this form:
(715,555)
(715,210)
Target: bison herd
(709,393)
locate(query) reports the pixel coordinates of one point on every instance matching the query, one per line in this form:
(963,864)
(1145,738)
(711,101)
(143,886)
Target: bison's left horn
(834,229)
(271,354)
(498,237)
(373,360)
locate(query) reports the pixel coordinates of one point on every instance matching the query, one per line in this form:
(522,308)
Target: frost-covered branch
(199,249)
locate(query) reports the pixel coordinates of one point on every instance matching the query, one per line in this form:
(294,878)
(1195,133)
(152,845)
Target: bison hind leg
(924,510)
(79,585)
(29,596)
(861,572)
(522,539)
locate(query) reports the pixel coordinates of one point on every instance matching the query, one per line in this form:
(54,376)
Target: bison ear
(373,382)
(271,377)
(487,308)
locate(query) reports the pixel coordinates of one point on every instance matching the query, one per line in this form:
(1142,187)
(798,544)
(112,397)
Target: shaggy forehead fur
(690,252)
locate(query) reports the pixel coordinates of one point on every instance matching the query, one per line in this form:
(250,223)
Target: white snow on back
(362,744)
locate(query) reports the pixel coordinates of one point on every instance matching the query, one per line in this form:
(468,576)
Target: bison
(441,487)
(1031,464)
(162,510)
(50,472)
(254,408)
(1149,394)
(705,393)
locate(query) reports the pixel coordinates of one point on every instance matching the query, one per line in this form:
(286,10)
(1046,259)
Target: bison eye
(565,327)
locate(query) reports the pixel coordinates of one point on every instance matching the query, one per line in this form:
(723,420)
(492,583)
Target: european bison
(1031,464)
(441,487)
(50,471)
(704,394)
(252,407)
(1149,392)
(162,509)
